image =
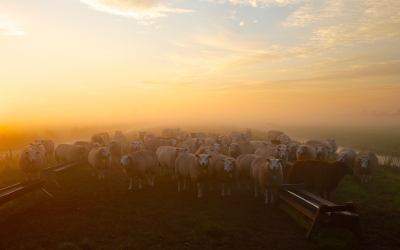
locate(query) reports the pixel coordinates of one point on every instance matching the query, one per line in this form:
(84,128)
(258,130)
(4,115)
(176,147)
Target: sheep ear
(26,152)
(209,156)
(223,160)
(197,156)
(268,160)
(37,152)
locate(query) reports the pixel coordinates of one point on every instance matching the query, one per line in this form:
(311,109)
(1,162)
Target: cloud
(346,22)
(258,3)
(10,27)
(136,9)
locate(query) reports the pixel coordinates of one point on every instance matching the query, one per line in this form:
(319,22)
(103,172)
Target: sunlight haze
(95,61)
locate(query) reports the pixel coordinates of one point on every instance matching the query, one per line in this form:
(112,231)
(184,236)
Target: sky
(82,62)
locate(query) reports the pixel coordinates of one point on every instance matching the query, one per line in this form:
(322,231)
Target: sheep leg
(152,180)
(266,197)
(184,184)
(229,190)
(200,190)
(223,190)
(130,184)
(179,185)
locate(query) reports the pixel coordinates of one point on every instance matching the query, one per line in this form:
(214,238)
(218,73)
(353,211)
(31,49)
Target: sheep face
(203,159)
(232,147)
(125,161)
(32,155)
(184,136)
(39,141)
(234,139)
(219,138)
(105,152)
(342,157)
(200,141)
(229,164)
(275,164)
(174,142)
(181,150)
(282,151)
(217,147)
(187,149)
(301,150)
(364,162)
(136,145)
(320,150)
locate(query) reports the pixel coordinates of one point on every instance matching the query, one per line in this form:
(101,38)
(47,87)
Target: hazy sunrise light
(90,61)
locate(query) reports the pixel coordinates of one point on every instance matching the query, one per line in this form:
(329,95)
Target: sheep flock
(208,158)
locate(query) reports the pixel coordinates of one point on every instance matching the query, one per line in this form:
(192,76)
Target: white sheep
(194,167)
(167,155)
(141,164)
(75,153)
(316,143)
(101,138)
(365,164)
(167,132)
(192,144)
(238,148)
(259,144)
(334,145)
(48,145)
(267,173)
(306,152)
(118,135)
(100,160)
(274,134)
(348,156)
(225,172)
(244,162)
(131,146)
(284,139)
(31,162)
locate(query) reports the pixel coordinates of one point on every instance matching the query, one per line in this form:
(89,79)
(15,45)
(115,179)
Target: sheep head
(364,161)
(32,155)
(229,165)
(203,159)
(125,162)
(274,164)
(341,157)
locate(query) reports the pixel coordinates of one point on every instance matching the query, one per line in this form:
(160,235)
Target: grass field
(93,214)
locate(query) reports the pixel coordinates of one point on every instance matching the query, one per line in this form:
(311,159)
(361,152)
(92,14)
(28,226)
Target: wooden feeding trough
(313,212)
(12,192)
(54,171)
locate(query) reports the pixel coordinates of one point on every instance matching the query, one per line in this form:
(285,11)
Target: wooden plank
(310,214)
(296,215)
(12,192)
